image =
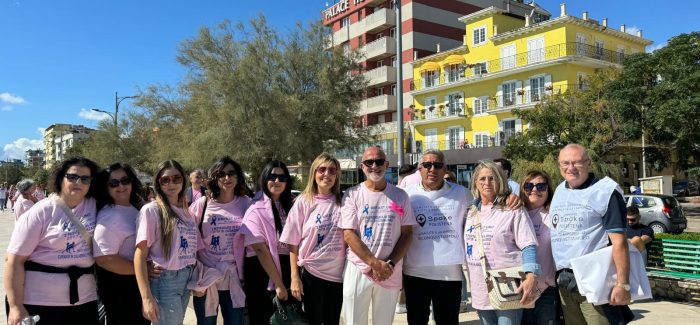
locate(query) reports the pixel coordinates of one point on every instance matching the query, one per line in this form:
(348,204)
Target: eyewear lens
(114,183)
(73,178)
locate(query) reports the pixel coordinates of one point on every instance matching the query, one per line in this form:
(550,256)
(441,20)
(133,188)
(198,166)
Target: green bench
(674,257)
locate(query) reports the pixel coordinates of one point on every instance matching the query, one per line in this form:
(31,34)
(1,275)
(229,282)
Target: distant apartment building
(58,138)
(34,158)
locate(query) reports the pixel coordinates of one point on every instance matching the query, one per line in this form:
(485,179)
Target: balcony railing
(500,139)
(380,19)
(381,76)
(378,104)
(438,112)
(382,47)
(526,97)
(549,53)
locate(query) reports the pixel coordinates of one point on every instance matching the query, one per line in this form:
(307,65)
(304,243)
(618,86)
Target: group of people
(235,250)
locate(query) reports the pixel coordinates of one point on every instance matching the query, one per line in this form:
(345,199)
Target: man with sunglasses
(587,214)
(433,269)
(377,222)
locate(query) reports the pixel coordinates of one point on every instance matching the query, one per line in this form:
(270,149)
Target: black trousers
(322,299)
(121,298)
(85,314)
(445,296)
(258,298)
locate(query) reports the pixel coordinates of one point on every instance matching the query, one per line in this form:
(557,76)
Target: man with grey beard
(377,222)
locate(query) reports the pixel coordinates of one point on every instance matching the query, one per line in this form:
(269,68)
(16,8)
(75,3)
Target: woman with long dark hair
(166,235)
(118,205)
(219,216)
(49,268)
(266,266)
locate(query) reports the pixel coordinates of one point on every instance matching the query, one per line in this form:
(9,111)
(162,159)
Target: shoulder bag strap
(75,221)
(480,243)
(201,219)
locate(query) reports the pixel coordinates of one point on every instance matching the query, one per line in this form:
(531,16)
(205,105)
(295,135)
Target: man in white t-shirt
(377,222)
(433,264)
(3,196)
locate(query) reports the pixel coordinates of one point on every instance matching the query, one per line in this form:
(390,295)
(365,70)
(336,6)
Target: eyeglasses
(279,177)
(165,180)
(114,183)
(431,164)
(576,164)
(541,187)
(230,174)
(372,162)
(73,178)
(330,170)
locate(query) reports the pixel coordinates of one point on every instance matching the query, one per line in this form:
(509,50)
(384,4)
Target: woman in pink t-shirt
(118,204)
(536,192)
(219,216)
(25,200)
(167,236)
(316,244)
(508,240)
(266,266)
(50,241)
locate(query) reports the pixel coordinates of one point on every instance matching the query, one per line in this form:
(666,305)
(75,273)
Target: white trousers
(359,291)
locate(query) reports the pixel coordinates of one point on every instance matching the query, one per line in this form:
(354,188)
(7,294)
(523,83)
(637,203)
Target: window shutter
(476,105)
(527,91)
(518,88)
(499,96)
(461,135)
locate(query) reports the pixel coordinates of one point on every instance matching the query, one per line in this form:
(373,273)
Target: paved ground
(650,312)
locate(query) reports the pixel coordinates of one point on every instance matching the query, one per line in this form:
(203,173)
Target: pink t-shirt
(221,224)
(542,222)
(47,236)
(21,206)
(184,242)
(313,226)
(262,210)
(377,217)
(505,233)
(115,233)
(410,180)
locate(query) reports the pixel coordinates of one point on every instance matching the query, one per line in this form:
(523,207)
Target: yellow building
(464,97)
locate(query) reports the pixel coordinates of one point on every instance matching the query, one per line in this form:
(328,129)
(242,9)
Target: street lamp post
(117,101)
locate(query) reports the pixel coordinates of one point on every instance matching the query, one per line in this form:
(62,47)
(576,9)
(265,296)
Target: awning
(429,66)
(454,59)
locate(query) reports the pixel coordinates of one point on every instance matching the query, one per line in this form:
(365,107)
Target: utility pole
(399,86)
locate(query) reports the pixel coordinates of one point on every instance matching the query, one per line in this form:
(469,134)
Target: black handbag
(287,313)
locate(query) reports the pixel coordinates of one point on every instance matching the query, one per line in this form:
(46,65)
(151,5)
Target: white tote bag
(596,275)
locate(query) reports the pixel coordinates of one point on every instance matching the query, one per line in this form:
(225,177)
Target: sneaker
(400,309)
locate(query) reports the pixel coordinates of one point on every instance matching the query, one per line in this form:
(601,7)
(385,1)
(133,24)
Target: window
(536,88)
(430,102)
(386,145)
(454,137)
(481,105)
(479,35)
(581,44)
(454,104)
(430,79)
(380,63)
(508,57)
(509,93)
(393,90)
(539,17)
(479,68)
(535,50)
(392,32)
(452,73)
(380,91)
(431,139)
(620,54)
(509,129)
(599,49)
(381,118)
(393,61)
(581,81)
(481,140)
(345,22)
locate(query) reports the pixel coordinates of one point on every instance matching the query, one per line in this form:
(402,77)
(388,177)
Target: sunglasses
(372,162)
(431,164)
(230,174)
(279,177)
(73,178)
(114,183)
(330,170)
(539,186)
(165,180)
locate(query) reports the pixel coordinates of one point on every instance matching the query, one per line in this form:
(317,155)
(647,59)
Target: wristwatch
(625,286)
(391,263)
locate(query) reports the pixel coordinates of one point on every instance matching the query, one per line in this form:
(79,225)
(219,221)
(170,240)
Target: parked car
(686,188)
(662,213)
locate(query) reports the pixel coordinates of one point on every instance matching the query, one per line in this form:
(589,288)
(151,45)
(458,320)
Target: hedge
(683,236)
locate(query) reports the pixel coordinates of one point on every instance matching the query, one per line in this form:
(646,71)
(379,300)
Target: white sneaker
(400,309)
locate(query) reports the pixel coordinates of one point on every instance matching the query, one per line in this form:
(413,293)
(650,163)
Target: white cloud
(656,47)
(16,149)
(6,108)
(92,115)
(40,131)
(632,30)
(8,98)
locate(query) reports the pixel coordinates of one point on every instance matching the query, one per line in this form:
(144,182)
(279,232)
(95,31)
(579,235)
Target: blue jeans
(232,316)
(500,317)
(545,311)
(172,295)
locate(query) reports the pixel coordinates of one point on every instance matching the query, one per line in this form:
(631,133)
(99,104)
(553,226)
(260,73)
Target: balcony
(525,98)
(378,104)
(341,36)
(380,48)
(500,139)
(379,20)
(380,76)
(383,128)
(421,116)
(523,61)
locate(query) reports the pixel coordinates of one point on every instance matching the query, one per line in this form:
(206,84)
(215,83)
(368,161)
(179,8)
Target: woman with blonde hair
(167,236)
(536,192)
(316,244)
(507,238)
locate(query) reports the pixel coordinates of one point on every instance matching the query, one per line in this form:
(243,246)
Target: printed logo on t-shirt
(420,219)
(221,231)
(555,220)
(74,246)
(327,229)
(188,237)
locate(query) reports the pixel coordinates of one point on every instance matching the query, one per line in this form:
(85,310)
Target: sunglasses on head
(279,177)
(539,186)
(230,174)
(113,183)
(372,162)
(330,170)
(165,180)
(73,178)
(431,164)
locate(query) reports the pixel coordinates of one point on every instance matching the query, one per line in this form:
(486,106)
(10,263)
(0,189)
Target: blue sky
(60,58)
